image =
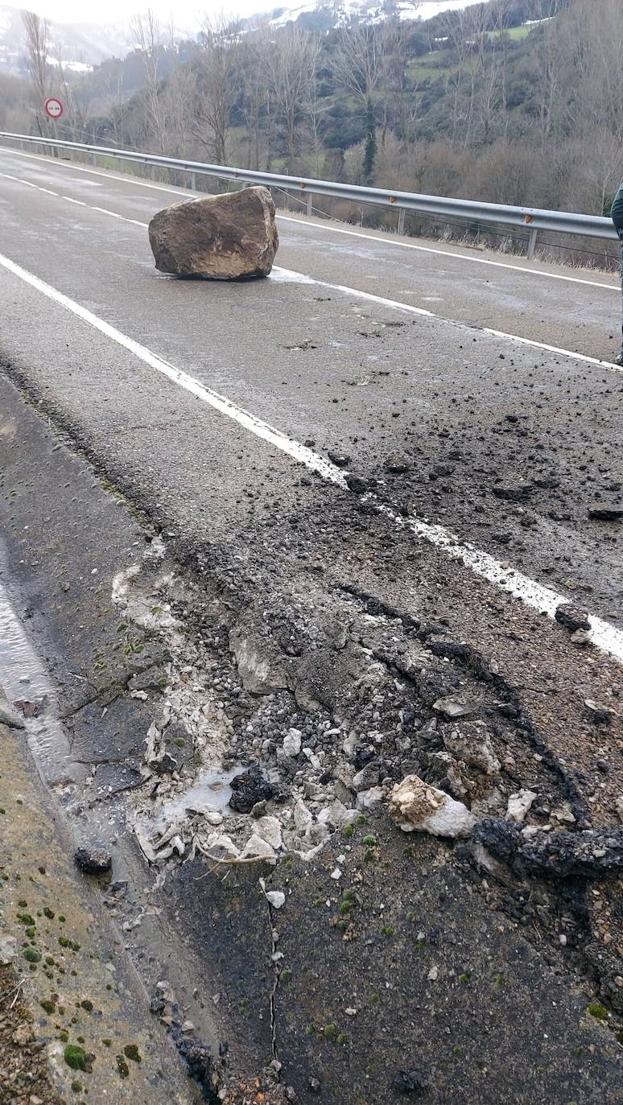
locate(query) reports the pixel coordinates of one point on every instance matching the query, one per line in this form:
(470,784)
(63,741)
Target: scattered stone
(601,715)
(513,492)
(411,1082)
(563,812)
(340,460)
(9,718)
(275,898)
(27,708)
(213,817)
(618,805)
(519,805)
(8,948)
(606,513)
(366,778)
(581,637)
(336,815)
(357,484)
(225,237)
(302,816)
(472,744)
(370,800)
(249,787)
(416,806)
(93,859)
(397,464)
(257,849)
(292,742)
(221,847)
(269,828)
(452,706)
(572,617)
(199,1060)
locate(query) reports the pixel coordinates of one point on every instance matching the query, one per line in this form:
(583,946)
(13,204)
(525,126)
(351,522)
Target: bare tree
(37,51)
(254,54)
(358,66)
(216,88)
(292,70)
(146,30)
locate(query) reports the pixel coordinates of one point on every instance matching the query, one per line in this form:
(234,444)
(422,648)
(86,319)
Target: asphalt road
(360,376)
(226,418)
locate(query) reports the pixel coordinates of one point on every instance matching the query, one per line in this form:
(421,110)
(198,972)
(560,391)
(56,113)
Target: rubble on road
(572,617)
(589,854)
(416,806)
(93,858)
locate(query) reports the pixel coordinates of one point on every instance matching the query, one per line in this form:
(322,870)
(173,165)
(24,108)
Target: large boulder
(225,237)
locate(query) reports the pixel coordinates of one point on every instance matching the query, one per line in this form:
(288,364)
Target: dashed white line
(331,229)
(370,297)
(532,594)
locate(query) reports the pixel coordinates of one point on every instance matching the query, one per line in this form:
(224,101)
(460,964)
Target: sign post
(53,108)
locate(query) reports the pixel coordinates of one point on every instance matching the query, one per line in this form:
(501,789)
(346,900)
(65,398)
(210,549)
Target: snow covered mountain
(83,45)
(80,45)
(333,13)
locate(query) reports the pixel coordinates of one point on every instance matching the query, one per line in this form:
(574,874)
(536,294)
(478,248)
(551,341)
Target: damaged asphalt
(285,624)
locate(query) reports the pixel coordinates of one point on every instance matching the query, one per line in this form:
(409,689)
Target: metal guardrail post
(532,243)
(400,229)
(193,182)
(309,207)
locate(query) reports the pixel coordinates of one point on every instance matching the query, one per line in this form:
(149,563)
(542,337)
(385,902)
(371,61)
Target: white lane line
(331,229)
(449,253)
(543,599)
(220,403)
(398,305)
(393,304)
(126,178)
(532,594)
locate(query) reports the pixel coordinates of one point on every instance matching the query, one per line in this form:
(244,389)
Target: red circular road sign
(53,107)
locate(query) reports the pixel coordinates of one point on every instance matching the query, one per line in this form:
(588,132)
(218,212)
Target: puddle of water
(211,792)
(22,676)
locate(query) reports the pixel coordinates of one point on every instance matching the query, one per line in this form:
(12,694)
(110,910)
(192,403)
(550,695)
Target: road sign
(53,107)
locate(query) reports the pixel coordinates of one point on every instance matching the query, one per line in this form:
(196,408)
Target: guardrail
(532,218)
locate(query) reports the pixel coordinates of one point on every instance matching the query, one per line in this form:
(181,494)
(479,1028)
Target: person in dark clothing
(617,218)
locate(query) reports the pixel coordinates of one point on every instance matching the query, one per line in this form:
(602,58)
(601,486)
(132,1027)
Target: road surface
(472,397)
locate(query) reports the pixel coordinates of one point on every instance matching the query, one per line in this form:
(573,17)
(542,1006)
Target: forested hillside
(517,101)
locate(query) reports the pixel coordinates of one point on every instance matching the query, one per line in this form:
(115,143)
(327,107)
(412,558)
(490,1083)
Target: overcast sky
(185,12)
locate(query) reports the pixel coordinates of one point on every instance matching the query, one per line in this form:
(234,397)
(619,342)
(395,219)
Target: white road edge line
(606,637)
(329,228)
(220,403)
(392,304)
